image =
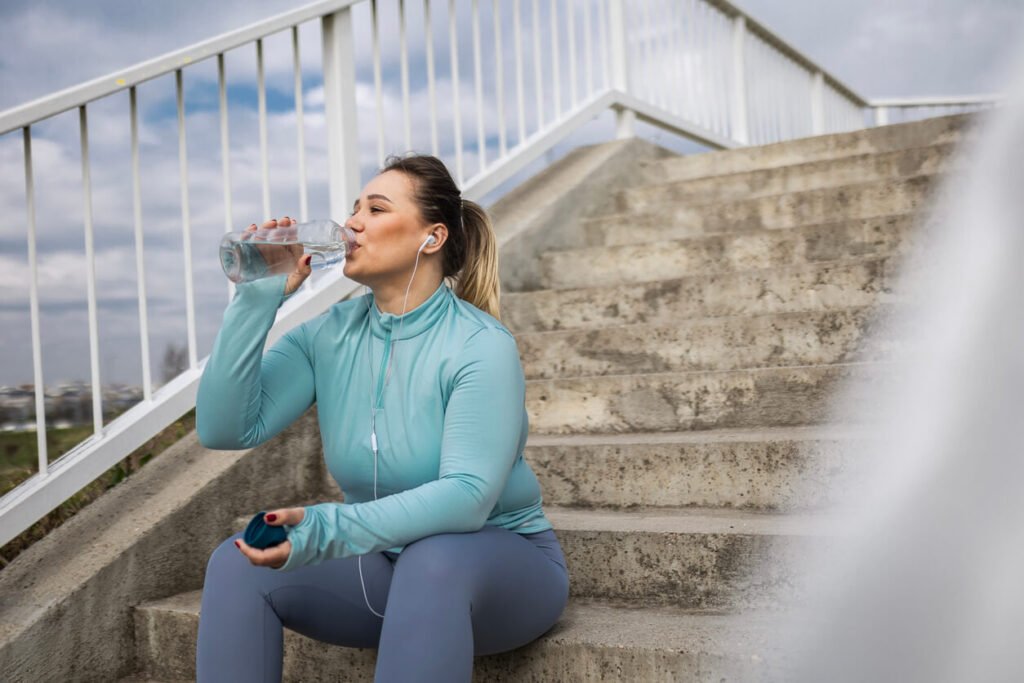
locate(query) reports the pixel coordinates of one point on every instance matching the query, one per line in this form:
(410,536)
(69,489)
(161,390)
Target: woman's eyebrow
(372,196)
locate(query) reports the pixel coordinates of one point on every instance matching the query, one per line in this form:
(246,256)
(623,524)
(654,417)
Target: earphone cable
(373,406)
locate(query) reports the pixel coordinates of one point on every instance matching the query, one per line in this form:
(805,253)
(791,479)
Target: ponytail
(477,281)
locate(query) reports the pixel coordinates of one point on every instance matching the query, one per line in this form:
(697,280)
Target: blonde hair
(470,256)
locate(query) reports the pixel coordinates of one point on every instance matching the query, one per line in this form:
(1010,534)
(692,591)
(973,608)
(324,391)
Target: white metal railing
(701,69)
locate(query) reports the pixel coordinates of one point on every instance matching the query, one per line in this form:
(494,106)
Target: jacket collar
(417,321)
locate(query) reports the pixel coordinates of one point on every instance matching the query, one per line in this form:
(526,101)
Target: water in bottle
(250,255)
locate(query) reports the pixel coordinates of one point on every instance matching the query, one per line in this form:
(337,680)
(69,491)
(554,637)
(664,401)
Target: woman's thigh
(323,601)
(512,588)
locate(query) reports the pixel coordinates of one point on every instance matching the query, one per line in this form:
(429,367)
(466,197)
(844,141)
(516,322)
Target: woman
(441,550)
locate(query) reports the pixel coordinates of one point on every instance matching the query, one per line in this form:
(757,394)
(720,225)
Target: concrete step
(724,252)
(593,641)
(672,402)
(718,343)
(830,286)
(702,558)
(798,177)
(789,469)
(881,139)
(668,220)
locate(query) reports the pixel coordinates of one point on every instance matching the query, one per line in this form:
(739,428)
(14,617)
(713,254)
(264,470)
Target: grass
(19,460)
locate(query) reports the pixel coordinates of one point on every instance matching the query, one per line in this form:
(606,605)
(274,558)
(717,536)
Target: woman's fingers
(272,557)
(290,516)
(295,280)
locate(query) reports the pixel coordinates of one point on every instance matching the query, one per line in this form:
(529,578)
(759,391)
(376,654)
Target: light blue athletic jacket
(451,427)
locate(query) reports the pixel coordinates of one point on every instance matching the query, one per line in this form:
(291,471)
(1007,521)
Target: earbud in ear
(429,240)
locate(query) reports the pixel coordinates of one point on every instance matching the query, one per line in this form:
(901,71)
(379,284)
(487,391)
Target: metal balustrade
(700,69)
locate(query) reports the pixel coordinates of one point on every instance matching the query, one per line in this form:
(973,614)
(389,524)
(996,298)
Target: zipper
(383,365)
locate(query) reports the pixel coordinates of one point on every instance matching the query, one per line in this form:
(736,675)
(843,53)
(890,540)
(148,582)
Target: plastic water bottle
(250,255)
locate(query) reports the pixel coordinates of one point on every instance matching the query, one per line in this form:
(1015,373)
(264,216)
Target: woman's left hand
(273,557)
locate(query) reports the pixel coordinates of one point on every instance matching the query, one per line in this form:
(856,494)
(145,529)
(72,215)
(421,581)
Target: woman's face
(389,230)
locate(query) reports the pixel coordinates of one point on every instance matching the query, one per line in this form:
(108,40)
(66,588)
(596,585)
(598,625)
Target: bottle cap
(261,535)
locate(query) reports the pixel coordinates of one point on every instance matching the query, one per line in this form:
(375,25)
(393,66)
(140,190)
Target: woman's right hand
(283,253)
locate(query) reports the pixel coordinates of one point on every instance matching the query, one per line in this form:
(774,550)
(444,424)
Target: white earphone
(429,240)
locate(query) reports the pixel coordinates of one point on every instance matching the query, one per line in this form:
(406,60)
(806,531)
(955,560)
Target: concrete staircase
(680,364)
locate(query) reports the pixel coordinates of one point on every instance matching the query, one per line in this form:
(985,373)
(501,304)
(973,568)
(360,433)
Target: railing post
(624,118)
(881,116)
(818,104)
(343,177)
(739,81)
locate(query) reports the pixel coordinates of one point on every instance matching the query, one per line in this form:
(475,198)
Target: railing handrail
(64,100)
(84,93)
(934,101)
(766,34)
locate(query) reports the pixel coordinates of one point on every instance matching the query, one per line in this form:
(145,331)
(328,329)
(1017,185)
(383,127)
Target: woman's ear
(439,231)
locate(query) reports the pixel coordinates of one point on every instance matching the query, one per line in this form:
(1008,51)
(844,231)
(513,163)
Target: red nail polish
(238,544)
(271,518)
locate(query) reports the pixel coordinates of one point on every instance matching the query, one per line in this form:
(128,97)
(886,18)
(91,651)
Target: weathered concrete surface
(799,177)
(545,212)
(675,221)
(715,343)
(593,641)
(703,558)
(955,128)
(669,402)
(833,286)
(66,603)
(732,251)
(770,469)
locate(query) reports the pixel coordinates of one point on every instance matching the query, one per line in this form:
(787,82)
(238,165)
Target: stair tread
(857,159)
(610,623)
(717,202)
(685,322)
(682,241)
(843,144)
(705,277)
(798,433)
(696,520)
(766,370)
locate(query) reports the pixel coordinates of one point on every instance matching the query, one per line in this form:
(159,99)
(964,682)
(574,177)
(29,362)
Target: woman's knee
(434,559)
(225,554)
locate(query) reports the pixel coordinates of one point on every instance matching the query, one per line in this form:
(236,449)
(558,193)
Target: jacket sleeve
(479,445)
(246,397)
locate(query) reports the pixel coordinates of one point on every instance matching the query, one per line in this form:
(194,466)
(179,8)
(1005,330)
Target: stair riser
(778,476)
(711,344)
(721,253)
(778,397)
(830,287)
(777,212)
(797,178)
(945,130)
(702,571)
(167,644)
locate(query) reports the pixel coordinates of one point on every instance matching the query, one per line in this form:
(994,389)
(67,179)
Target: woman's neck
(390,298)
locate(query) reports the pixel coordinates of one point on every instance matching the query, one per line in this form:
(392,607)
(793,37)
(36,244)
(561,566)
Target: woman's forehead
(394,185)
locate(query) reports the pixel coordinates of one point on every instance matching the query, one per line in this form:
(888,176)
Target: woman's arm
(480,443)
(246,397)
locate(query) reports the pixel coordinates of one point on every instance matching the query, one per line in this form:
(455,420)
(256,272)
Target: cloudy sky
(879,49)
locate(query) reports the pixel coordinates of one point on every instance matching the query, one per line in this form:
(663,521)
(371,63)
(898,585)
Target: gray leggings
(446,599)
